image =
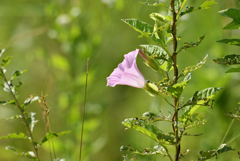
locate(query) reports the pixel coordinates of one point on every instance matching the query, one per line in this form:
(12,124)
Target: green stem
(22,112)
(175,80)
(83,111)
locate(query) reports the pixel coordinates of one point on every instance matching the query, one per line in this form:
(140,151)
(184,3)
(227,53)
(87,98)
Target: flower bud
(151,88)
(149,61)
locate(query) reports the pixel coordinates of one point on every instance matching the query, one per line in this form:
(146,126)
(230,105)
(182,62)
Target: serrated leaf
(52,135)
(152,3)
(233,13)
(14,136)
(233,70)
(228,60)
(190,69)
(205,155)
(200,98)
(149,130)
(143,28)
(191,44)
(17,73)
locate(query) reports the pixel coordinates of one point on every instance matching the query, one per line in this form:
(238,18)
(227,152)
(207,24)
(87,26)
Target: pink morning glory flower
(127,73)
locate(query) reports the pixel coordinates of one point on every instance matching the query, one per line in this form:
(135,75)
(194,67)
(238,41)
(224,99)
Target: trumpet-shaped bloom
(127,73)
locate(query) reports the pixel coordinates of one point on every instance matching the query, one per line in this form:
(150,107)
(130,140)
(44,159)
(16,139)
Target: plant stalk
(22,112)
(175,79)
(83,111)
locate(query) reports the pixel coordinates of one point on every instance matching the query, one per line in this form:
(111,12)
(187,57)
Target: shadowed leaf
(230,41)
(234,14)
(205,155)
(228,60)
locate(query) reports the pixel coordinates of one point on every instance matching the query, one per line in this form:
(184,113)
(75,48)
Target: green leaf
(195,120)
(191,44)
(234,14)
(233,70)
(230,41)
(205,155)
(127,159)
(181,3)
(228,60)
(156,53)
(159,17)
(14,136)
(193,68)
(15,117)
(1,52)
(152,117)
(147,151)
(58,159)
(52,135)
(200,98)
(149,130)
(29,154)
(17,73)
(29,101)
(152,3)
(205,5)
(6,61)
(143,28)
(31,120)
(176,89)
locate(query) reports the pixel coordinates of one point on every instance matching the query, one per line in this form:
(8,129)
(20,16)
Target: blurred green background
(52,39)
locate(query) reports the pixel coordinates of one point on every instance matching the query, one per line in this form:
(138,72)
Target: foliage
(28,118)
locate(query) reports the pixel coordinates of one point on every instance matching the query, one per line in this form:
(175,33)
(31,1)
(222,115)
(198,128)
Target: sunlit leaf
(190,69)
(191,44)
(29,101)
(205,155)
(195,120)
(205,5)
(228,60)
(159,17)
(14,136)
(149,129)
(127,159)
(1,52)
(52,135)
(200,98)
(176,89)
(233,13)
(58,159)
(30,117)
(143,28)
